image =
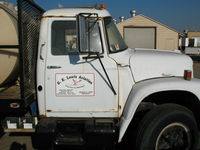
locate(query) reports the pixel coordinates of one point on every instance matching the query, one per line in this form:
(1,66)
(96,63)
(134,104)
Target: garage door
(140,37)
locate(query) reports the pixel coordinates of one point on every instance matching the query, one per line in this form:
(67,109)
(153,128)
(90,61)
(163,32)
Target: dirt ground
(10,142)
(23,142)
(196,67)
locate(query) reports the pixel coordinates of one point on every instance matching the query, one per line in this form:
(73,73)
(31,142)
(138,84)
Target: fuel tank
(9,65)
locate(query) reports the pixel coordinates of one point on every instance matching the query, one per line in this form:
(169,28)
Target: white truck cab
(77,80)
(91,87)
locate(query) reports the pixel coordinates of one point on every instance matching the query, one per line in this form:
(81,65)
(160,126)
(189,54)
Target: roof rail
(95,6)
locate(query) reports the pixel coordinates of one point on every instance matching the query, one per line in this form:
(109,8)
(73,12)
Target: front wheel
(167,127)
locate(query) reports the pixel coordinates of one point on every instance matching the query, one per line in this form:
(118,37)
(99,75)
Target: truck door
(76,85)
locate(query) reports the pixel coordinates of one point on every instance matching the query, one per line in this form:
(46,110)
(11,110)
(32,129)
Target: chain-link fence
(29,17)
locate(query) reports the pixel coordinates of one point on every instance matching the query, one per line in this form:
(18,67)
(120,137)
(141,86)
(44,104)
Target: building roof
(140,15)
(70,12)
(191,31)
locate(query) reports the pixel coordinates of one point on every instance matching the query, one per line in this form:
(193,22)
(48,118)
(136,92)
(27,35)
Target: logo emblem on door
(74,84)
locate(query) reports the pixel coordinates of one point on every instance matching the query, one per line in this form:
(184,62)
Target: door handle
(53,67)
(41,51)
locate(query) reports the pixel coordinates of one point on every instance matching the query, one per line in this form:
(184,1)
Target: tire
(167,127)
(1,130)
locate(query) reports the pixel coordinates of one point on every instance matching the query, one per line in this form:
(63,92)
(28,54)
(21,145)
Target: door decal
(74,84)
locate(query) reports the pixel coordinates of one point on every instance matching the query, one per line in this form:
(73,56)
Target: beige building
(143,32)
(195,36)
(192,34)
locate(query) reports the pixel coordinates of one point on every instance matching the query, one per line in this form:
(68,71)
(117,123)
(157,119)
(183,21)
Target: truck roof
(71,12)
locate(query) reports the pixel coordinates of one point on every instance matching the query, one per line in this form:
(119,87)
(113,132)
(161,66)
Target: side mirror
(89,33)
(82,33)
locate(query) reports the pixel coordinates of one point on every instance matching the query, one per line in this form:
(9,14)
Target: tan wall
(165,37)
(193,34)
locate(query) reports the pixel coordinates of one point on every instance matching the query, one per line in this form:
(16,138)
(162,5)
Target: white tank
(9,66)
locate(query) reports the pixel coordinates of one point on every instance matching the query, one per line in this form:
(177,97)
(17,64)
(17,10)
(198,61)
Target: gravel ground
(23,142)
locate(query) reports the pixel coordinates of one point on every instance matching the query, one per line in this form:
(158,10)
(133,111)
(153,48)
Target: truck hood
(147,64)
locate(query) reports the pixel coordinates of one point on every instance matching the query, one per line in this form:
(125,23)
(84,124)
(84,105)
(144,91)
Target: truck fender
(143,89)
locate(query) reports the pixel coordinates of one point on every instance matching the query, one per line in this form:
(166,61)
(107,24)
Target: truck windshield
(115,41)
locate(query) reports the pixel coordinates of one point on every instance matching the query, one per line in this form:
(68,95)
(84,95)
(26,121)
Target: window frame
(77,44)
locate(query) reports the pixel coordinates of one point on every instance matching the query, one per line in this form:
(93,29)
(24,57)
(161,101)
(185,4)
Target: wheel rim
(175,136)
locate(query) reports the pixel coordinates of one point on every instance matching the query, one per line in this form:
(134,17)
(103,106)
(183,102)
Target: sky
(178,14)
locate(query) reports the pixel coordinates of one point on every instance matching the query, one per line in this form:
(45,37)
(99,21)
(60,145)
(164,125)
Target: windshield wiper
(112,88)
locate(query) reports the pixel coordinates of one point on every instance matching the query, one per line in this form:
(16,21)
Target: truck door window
(64,38)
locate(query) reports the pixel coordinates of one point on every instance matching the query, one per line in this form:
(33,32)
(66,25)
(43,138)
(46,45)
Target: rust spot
(49,110)
(43,116)
(120,106)
(59,16)
(112,110)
